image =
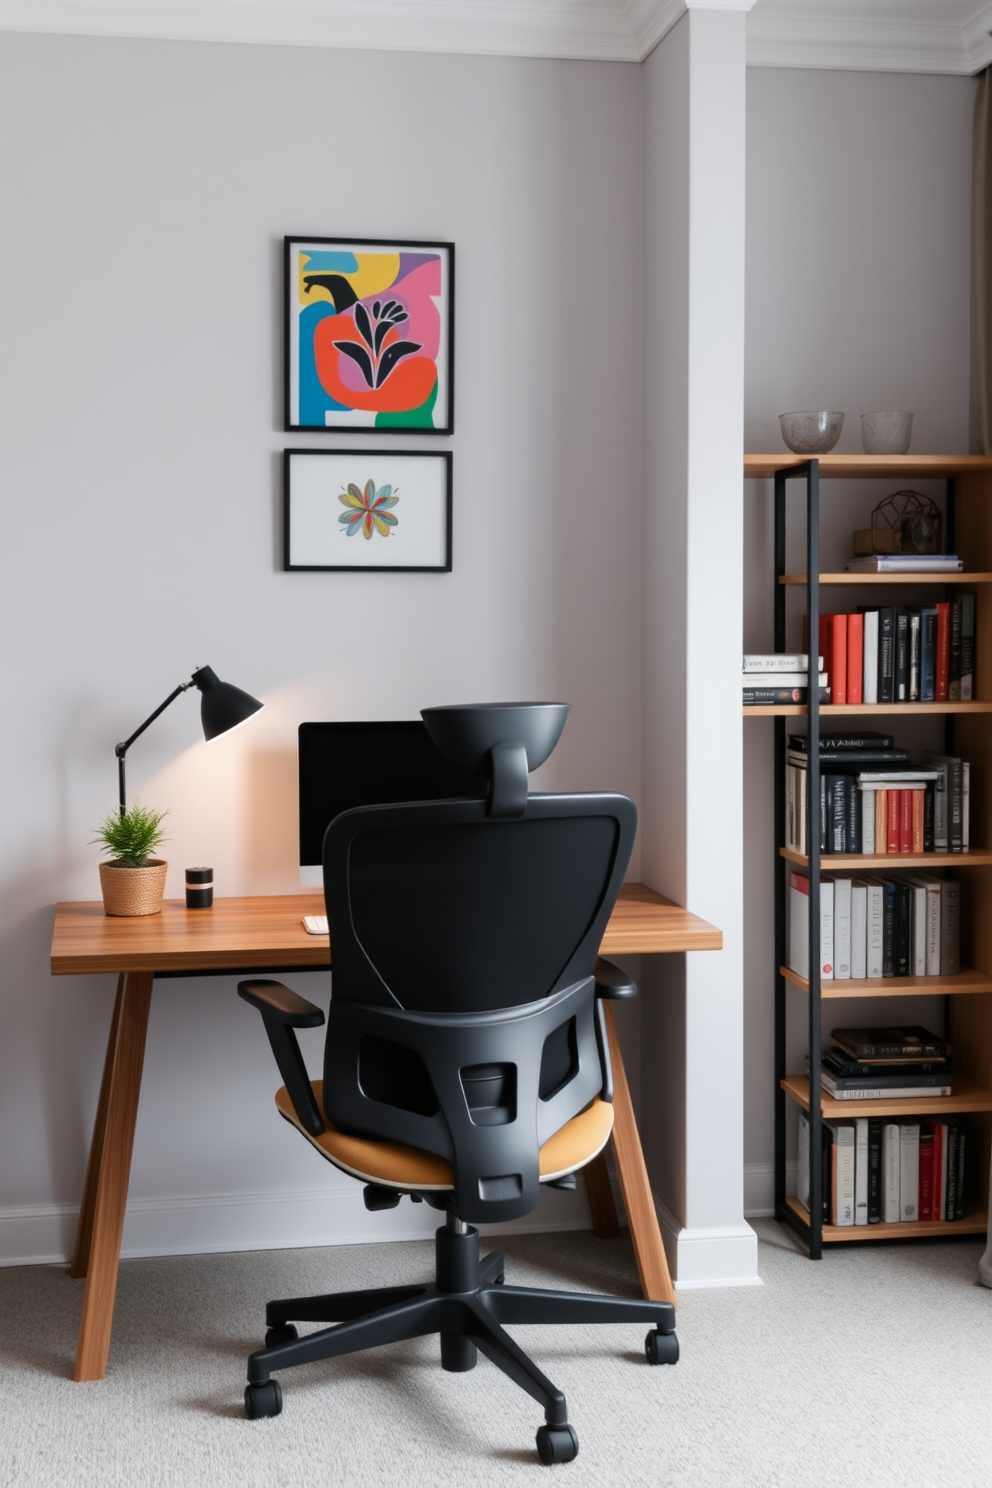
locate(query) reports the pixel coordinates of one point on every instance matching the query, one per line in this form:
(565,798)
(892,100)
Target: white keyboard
(315,924)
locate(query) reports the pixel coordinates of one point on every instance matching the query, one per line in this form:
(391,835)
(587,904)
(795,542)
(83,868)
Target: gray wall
(857,263)
(146,188)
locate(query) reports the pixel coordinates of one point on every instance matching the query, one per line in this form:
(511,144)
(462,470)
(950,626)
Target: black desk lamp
(222,708)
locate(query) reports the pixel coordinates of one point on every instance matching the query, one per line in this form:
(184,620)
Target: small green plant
(132,838)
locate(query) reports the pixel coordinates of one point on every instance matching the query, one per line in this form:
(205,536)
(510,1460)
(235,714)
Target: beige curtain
(981,270)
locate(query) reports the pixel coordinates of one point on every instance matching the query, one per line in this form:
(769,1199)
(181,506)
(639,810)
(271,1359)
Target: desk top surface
(266,931)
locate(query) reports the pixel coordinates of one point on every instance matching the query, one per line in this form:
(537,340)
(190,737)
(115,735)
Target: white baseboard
(43,1234)
(759,1188)
(724,1256)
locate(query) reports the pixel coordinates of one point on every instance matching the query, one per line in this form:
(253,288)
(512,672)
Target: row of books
(886,1064)
(876,926)
(875,800)
(780,679)
(881,655)
(878,1171)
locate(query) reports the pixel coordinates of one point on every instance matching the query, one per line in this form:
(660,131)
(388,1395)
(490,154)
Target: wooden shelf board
(858,467)
(836,579)
(841,710)
(975,1222)
(967,1097)
(912,986)
(868,862)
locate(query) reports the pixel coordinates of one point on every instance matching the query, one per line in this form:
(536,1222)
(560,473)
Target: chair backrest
(462,1017)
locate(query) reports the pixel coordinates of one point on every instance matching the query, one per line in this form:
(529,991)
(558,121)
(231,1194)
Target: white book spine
(826,930)
(965,805)
(843,1166)
(842,928)
(790,806)
(933,929)
(918,961)
(859,930)
(890,1173)
(876,929)
(869,683)
(909,1171)
(861,1170)
(779,661)
(867,821)
(801,787)
(799,924)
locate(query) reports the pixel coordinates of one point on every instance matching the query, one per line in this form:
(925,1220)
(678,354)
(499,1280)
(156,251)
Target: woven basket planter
(133,891)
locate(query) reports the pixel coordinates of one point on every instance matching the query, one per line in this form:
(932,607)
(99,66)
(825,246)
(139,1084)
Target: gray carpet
(873,1367)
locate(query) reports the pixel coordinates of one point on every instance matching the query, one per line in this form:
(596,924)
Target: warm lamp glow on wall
(222,708)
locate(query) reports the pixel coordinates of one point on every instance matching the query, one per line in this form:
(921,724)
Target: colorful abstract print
(370,338)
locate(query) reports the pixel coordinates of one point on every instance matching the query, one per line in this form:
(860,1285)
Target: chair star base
(467,1305)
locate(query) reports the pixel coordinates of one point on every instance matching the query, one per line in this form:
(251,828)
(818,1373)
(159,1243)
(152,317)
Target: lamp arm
(121,749)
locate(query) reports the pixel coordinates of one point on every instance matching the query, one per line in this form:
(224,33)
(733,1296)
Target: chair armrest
(282,1011)
(611,982)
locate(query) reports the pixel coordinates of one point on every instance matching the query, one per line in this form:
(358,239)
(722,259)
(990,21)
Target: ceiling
(948,36)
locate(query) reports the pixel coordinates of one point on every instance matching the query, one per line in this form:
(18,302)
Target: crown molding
(859,43)
(594,30)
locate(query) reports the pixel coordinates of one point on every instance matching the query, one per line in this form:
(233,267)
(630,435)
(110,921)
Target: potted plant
(133,882)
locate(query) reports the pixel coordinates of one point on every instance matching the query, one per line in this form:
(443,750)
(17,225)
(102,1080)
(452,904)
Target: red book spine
(855,657)
(943,658)
(838,659)
(905,821)
(938,1166)
(926,1175)
(892,825)
(918,796)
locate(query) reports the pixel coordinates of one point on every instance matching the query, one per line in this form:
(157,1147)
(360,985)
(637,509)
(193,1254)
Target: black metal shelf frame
(811,1231)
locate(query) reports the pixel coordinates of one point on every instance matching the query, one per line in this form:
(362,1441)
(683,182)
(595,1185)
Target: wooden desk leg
(84,1230)
(599,1192)
(114,1168)
(645,1232)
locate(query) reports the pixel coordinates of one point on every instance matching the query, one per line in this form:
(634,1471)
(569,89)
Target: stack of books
(913,563)
(886,1063)
(876,926)
(780,678)
(875,800)
(922,655)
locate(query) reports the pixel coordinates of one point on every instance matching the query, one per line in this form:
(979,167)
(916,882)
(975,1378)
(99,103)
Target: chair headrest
(502,740)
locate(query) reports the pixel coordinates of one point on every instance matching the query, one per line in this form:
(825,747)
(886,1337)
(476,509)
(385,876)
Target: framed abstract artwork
(367,509)
(369,338)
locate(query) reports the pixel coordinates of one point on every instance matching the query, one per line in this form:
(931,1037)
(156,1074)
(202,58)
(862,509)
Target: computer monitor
(367,764)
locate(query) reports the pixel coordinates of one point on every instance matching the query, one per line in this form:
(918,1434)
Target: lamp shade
(222,706)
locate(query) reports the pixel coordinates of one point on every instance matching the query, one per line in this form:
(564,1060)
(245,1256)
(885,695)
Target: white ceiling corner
(944,36)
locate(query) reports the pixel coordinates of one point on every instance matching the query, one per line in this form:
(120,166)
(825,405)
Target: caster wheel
(263,1400)
(661,1348)
(557,1444)
(286,1334)
(500,1279)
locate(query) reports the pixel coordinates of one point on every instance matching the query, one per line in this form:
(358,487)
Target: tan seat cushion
(395,1165)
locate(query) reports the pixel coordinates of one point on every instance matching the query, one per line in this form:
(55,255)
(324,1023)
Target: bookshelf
(967,731)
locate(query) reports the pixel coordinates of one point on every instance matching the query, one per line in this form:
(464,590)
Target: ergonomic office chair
(466,1059)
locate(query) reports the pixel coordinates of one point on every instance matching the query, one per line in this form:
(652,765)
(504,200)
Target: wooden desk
(266,934)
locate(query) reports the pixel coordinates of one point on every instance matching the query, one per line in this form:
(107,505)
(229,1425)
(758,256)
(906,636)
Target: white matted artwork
(366,509)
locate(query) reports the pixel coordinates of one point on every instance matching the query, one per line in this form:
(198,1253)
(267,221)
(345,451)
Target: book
(899,1041)
(878,1090)
(913,563)
(909,1170)
(905,821)
(890,1172)
(928,652)
(874,1170)
(918,921)
(855,739)
(842,928)
(886,653)
(902,775)
(965,806)
(869,679)
(854,759)
(826,930)
(875,895)
(842,1172)
(914,656)
(938,1208)
(781,679)
(773,696)
(892,822)
(837,630)
(881,819)
(902,932)
(861,1170)
(967,647)
(867,820)
(954,677)
(943,657)
(950,928)
(842,1064)
(859,928)
(798,952)
(855,657)
(902,659)
(779,661)
(926,1170)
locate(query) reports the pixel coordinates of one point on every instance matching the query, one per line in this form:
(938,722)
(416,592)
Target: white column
(692,1052)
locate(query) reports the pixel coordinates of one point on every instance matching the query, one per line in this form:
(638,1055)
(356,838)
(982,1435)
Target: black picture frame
(309,533)
(444,361)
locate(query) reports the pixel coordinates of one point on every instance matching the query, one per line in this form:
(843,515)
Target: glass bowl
(886,433)
(810,432)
